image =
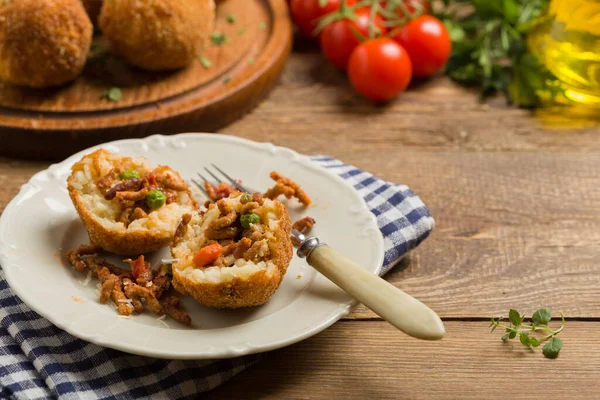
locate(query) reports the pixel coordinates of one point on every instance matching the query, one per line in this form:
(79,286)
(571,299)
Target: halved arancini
(126,206)
(234,255)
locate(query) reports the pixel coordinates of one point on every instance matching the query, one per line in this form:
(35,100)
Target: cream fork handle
(390,303)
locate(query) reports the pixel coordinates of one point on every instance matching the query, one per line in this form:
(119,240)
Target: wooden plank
(140,87)
(51,124)
(513,229)
(13,174)
(371,360)
(315,110)
(517,205)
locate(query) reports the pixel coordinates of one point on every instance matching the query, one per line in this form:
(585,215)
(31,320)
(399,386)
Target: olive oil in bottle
(567,41)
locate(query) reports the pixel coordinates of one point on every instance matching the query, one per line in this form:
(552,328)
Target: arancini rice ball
(43,43)
(127,207)
(234,255)
(157,34)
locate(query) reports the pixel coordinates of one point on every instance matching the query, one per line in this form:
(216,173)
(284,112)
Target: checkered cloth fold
(38,360)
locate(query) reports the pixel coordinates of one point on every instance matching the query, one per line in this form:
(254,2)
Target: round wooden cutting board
(226,81)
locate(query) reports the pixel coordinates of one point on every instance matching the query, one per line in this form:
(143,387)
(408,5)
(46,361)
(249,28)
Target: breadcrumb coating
(158,34)
(43,43)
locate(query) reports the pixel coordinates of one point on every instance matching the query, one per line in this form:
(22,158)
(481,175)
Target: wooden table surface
(517,207)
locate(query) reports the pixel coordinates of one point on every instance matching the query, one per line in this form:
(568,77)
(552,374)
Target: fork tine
(216,178)
(230,179)
(202,177)
(201,187)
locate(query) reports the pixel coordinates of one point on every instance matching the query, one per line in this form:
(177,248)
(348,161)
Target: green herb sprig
(539,325)
(489,49)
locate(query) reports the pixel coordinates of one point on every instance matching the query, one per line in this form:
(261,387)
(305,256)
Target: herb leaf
(552,348)
(533,341)
(524,338)
(541,316)
(205,62)
(515,318)
(218,38)
(112,94)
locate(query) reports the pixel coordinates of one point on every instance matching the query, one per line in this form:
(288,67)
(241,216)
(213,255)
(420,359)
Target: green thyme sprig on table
(539,325)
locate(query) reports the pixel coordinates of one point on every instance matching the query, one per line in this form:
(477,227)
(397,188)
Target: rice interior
(195,239)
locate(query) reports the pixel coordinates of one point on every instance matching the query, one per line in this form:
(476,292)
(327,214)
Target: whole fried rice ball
(157,34)
(43,42)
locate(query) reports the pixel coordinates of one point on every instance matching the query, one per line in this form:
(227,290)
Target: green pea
(130,174)
(155,199)
(248,219)
(246,198)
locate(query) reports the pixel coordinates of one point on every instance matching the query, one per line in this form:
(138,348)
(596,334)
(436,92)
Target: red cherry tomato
(380,69)
(338,39)
(428,44)
(306,13)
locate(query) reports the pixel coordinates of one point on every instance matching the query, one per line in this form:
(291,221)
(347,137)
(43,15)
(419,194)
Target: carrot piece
(208,254)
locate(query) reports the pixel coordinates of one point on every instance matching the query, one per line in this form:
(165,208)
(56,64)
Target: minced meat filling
(287,187)
(304,225)
(139,195)
(283,186)
(239,238)
(132,290)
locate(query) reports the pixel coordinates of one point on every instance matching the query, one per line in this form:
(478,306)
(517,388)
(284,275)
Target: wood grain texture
(105,70)
(189,100)
(513,230)
(518,224)
(517,206)
(371,360)
(517,203)
(315,110)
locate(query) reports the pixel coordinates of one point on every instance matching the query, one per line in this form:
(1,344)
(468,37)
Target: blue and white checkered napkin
(38,360)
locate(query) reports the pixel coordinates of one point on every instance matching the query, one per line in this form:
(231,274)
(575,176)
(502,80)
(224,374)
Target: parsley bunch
(490,49)
(539,324)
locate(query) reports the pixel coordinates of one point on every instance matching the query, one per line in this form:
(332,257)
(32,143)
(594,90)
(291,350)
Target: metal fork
(392,304)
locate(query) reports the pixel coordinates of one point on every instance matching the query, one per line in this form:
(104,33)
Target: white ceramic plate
(41,224)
